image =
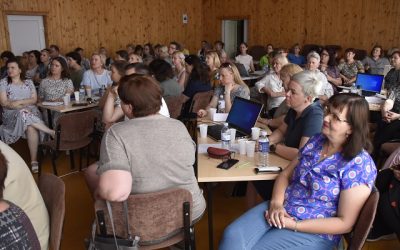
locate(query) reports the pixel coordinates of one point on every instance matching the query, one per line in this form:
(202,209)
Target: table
(209,173)
(255,75)
(64,109)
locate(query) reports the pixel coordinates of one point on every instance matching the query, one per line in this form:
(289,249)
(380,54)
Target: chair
(73,131)
(174,104)
(200,101)
(356,238)
(257,51)
(307,48)
(360,54)
(52,189)
(160,219)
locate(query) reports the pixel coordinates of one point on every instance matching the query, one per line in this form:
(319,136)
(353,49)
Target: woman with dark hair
(375,64)
(350,67)
(392,78)
(148,53)
(33,64)
(21,117)
(295,57)
(199,80)
(138,50)
(112,111)
(44,65)
(319,195)
(58,82)
(5,56)
(164,74)
(244,58)
(75,68)
(16,230)
(128,164)
(328,66)
(121,55)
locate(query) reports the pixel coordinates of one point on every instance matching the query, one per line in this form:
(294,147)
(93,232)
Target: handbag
(218,153)
(112,242)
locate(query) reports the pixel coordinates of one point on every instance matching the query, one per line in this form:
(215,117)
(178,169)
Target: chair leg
(71,159)
(80,158)
(87,155)
(53,161)
(192,238)
(186,224)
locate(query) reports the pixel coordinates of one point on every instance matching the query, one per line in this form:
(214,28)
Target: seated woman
(287,71)
(244,58)
(389,126)
(75,68)
(392,78)
(148,53)
(44,65)
(328,67)
(350,67)
(295,57)
(213,63)
(33,64)
(313,60)
(387,220)
(16,230)
(198,81)
(319,194)
(128,164)
(134,58)
(265,60)
(21,117)
(97,77)
(304,118)
(58,82)
(181,76)
(231,86)
(272,86)
(112,111)
(375,64)
(164,74)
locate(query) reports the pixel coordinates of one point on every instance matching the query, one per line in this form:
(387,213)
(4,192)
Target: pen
(243,164)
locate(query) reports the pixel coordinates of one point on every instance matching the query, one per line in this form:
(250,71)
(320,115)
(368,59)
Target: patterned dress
(51,90)
(16,230)
(315,187)
(16,121)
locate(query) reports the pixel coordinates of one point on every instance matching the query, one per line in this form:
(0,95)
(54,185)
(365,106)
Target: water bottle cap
(226,124)
(264,133)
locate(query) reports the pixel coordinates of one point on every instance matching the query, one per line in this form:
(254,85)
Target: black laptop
(370,84)
(242,117)
(242,70)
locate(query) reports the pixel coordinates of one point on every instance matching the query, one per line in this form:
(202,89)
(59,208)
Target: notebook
(370,84)
(243,116)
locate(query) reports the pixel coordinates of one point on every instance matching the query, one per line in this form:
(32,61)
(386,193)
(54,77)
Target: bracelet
(295,226)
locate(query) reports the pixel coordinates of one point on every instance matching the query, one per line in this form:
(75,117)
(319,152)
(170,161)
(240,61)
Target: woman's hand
(201,113)
(276,215)
(228,89)
(390,116)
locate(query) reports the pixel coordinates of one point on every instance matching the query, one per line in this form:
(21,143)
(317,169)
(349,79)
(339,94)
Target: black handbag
(112,242)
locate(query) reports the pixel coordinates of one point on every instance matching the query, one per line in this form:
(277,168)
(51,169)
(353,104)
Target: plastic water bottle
(221,104)
(225,136)
(359,90)
(102,90)
(263,149)
(82,93)
(353,89)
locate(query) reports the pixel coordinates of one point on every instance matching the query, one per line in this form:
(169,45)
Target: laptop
(242,117)
(242,70)
(370,84)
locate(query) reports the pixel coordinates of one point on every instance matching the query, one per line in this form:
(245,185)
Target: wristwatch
(272,148)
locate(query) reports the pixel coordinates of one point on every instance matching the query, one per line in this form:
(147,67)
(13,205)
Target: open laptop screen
(243,114)
(369,82)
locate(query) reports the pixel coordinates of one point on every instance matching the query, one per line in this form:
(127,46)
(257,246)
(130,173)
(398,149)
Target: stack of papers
(52,103)
(374,99)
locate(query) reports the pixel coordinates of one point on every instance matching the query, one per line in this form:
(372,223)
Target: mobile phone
(227,164)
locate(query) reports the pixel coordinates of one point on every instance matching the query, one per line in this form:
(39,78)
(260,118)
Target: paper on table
(220,117)
(52,103)
(374,99)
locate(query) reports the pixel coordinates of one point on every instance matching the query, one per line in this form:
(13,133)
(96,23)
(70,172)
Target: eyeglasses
(324,54)
(334,116)
(395,167)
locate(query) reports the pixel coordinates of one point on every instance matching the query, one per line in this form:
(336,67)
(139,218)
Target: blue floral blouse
(314,189)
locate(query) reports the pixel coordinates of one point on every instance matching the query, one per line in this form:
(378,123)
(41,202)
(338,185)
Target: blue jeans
(251,231)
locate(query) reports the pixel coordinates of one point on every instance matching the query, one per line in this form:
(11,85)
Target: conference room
(209,108)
